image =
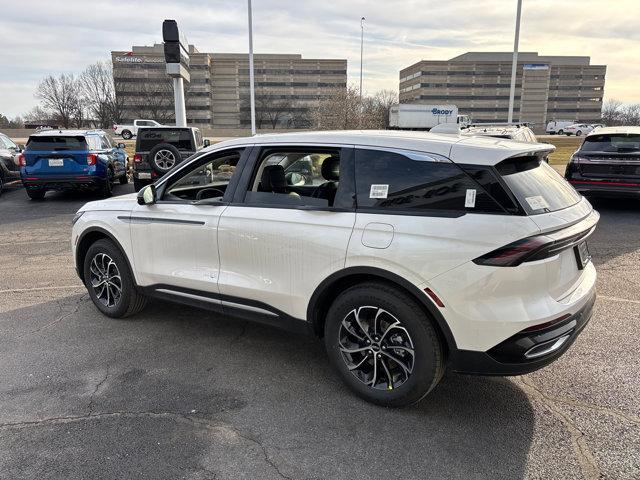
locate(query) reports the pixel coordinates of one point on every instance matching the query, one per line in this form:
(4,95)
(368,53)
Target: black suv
(159,149)
(607,163)
(9,169)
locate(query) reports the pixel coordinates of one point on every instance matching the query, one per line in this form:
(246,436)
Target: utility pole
(251,80)
(361,52)
(514,67)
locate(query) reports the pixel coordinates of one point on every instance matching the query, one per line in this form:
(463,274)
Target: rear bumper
(524,352)
(66,182)
(613,188)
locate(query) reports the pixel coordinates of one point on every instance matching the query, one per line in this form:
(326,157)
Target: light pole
(361,51)
(514,67)
(251,81)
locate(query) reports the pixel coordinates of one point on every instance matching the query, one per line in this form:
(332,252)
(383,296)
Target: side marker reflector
(434,297)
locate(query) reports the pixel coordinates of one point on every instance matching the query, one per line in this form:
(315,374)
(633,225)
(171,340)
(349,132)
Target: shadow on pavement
(177,392)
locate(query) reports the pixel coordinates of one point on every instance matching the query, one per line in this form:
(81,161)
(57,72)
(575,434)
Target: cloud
(49,37)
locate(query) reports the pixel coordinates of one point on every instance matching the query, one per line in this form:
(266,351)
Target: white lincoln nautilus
(408,253)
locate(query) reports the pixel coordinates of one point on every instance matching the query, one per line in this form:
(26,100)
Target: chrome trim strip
(160,220)
(248,307)
(188,295)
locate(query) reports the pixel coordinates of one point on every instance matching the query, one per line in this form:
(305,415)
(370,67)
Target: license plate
(582,254)
(56,162)
(144,176)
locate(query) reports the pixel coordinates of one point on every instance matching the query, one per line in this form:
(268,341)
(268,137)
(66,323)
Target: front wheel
(383,345)
(126,134)
(579,133)
(110,282)
(560,132)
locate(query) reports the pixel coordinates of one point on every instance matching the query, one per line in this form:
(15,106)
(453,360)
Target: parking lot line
(618,299)
(35,289)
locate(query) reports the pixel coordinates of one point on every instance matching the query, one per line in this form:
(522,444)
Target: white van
(558,126)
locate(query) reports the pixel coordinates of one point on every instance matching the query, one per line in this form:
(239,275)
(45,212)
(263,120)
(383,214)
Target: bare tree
(6,122)
(98,90)
(62,96)
(154,99)
(611,112)
(630,114)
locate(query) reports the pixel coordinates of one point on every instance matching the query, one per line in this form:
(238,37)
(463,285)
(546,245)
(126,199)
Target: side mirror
(121,145)
(207,142)
(147,196)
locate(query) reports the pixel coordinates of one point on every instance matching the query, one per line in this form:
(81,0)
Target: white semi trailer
(416,116)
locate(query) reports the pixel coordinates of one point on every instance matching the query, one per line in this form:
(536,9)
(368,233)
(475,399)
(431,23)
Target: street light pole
(514,67)
(361,51)
(251,80)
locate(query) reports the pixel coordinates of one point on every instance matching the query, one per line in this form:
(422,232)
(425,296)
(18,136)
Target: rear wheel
(124,179)
(126,134)
(107,187)
(1,184)
(383,345)
(560,132)
(36,194)
(110,282)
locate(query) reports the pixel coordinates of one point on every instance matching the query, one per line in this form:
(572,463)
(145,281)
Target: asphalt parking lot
(180,393)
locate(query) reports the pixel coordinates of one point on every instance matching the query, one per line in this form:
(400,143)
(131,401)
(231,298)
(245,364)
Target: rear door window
(417,183)
(179,138)
(57,143)
(536,185)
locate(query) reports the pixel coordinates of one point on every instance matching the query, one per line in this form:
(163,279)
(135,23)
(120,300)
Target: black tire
(124,179)
(130,300)
(107,187)
(1,183)
(36,194)
(163,157)
(126,134)
(560,132)
(428,356)
(579,133)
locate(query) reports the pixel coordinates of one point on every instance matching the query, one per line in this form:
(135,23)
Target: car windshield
(60,142)
(150,137)
(611,143)
(536,185)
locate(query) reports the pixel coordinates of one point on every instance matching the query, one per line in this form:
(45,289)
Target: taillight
(513,254)
(137,158)
(115,127)
(92,158)
(22,161)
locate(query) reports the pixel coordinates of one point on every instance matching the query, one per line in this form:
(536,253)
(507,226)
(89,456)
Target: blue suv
(71,160)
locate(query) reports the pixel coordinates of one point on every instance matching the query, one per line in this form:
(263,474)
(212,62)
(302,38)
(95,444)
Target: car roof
(486,150)
(66,133)
(614,131)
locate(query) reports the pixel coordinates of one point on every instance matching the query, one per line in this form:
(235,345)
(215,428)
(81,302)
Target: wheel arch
(88,238)
(339,281)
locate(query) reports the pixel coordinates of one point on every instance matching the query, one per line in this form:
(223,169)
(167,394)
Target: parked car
(71,159)
(556,127)
(607,163)
(9,170)
(518,132)
(578,129)
(129,131)
(159,149)
(418,253)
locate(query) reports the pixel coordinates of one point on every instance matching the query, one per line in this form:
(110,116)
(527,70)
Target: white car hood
(121,203)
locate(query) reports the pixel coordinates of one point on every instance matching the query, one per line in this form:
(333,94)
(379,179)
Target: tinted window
(6,141)
(611,143)
(536,185)
(410,182)
(56,143)
(150,137)
(105,143)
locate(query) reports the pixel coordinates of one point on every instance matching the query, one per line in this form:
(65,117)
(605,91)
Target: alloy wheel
(165,159)
(376,348)
(105,280)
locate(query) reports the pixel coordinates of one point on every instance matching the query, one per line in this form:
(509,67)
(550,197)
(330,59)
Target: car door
(174,240)
(110,155)
(278,242)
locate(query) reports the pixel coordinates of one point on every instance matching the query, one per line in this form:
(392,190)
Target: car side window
(104,141)
(415,182)
(208,178)
(93,143)
(296,177)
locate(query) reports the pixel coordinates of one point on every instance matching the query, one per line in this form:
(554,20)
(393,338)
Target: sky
(39,38)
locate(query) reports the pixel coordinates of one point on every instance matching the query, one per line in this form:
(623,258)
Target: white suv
(410,253)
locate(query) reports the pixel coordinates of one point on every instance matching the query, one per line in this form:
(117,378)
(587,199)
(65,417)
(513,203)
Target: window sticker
(470,198)
(379,191)
(538,202)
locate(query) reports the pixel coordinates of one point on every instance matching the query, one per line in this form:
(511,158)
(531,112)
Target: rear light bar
(137,158)
(543,326)
(92,158)
(539,247)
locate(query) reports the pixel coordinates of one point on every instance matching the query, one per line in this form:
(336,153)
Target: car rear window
(56,143)
(536,185)
(150,137)
(611,143)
